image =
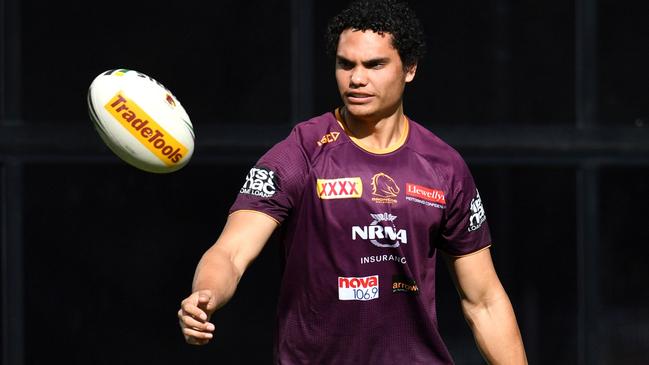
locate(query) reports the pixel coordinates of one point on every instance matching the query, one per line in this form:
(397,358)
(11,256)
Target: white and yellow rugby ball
(141,121)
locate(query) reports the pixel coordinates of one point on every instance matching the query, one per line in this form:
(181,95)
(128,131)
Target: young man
(366,198)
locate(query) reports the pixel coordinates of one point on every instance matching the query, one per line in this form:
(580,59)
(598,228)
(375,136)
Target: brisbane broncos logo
(384,189)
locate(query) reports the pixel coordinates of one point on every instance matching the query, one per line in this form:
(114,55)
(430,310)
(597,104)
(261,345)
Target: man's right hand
(221,267)
(194,314)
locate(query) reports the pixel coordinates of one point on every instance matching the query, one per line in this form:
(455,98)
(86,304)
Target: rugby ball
(141,121)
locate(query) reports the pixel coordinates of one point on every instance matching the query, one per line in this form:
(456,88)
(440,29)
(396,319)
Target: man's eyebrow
(370,62)
(376,61)
(343,59)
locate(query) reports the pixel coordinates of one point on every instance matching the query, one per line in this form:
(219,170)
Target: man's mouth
(357,97)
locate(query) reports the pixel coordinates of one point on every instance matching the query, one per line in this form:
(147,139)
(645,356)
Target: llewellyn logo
(426,196)
(384,189)
(343,188)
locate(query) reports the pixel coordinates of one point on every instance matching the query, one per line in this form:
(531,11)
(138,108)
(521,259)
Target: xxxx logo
(342,188)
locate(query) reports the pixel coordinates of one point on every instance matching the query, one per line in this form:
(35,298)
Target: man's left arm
(487,308)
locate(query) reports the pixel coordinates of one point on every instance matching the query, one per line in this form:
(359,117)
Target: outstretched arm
(220,269)
(487,308)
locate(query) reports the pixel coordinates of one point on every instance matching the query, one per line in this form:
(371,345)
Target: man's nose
(358,77)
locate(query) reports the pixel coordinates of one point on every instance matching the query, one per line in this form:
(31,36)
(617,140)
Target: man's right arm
(220,269)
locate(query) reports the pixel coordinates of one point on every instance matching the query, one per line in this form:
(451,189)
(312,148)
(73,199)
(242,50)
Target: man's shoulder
(316,127)
(317,133)
(428,144)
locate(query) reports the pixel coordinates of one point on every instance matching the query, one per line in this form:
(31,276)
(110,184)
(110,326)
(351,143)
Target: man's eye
(376,65)
(345,65)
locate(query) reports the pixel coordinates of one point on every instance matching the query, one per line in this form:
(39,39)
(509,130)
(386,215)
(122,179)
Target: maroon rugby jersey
(361,232)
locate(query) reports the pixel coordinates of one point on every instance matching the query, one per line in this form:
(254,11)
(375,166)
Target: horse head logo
(384,186)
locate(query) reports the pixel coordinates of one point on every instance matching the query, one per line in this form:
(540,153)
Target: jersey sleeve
(276,181)
(465,230)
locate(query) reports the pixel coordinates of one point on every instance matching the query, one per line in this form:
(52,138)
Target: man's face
(370,74)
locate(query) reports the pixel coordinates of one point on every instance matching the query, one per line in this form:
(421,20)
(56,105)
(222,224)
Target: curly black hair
(381,16)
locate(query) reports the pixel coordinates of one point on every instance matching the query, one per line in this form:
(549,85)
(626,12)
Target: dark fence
(547,101)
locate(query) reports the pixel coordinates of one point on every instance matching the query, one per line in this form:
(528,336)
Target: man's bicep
(244,236)
(474,275)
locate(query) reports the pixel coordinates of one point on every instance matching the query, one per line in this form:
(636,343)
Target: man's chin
(360,111)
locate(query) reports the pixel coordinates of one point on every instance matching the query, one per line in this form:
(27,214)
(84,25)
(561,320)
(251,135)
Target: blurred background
(548,101)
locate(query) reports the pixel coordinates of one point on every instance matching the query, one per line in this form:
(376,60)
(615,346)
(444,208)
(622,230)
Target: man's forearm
(216,272)
(496,331)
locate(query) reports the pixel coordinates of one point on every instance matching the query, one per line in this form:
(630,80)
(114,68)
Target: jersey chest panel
(376,207)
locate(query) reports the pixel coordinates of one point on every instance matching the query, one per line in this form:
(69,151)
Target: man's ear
(410,72)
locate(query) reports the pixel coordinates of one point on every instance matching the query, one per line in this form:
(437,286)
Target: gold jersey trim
(468,254)
(255,211)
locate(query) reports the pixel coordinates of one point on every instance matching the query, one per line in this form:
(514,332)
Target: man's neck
(376,133)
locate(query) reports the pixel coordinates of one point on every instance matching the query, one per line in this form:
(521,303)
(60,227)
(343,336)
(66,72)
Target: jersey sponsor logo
(358,288)
(381,235)
(328,138)
(404,284)
(260,181)
(426,196)
(383,258)
(343,188)
(384,189)
(477,216)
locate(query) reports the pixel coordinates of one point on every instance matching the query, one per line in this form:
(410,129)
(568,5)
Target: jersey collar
(378,151)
